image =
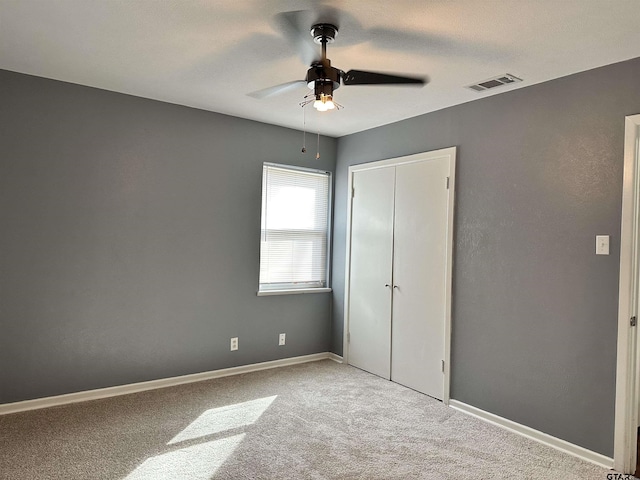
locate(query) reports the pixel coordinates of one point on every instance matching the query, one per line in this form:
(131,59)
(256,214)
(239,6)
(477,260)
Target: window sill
(296,291)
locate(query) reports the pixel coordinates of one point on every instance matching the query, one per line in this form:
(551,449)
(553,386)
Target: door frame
(628,360)
(418,157)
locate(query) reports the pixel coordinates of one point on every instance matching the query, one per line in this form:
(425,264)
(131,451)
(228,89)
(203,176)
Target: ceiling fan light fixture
(324,102)
(318,105)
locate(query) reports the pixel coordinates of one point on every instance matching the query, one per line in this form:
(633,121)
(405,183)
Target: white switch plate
(282,339)
(602,244)
(234,344)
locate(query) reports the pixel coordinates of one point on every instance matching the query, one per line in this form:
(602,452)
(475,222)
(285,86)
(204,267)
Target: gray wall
(539,174)
(129,241)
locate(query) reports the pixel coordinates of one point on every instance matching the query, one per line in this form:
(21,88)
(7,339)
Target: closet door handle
(396,286)
(387,285)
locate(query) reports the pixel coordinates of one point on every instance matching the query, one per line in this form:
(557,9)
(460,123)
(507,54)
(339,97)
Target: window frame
(292,291)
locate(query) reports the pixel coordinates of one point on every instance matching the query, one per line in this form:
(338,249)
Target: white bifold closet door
(419,276)
(371,270)
(398,273)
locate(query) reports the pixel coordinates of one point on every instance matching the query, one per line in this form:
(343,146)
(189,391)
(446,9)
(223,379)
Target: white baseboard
(161,383)
(335,357)
(536,435)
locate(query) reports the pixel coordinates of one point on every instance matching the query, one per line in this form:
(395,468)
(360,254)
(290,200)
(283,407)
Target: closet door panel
(371,268)
(419,272)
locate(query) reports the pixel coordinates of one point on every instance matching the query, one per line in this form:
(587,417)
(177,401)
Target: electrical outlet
(602,244)
(282,339)
(234,343)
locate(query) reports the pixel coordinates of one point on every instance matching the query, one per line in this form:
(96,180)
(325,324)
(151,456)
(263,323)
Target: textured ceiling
(210,54)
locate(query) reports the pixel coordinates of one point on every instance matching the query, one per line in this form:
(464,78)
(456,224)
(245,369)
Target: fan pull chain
(318,148)
(304,130)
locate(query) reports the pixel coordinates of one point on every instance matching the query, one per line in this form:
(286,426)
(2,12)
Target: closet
(398,301)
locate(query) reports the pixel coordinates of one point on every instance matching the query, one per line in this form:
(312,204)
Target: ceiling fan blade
(277,89)
(295,27)
(360,77)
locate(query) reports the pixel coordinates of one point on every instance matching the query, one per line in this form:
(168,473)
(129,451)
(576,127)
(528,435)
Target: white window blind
(294,230)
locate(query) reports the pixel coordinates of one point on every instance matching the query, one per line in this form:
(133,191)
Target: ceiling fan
(323,79)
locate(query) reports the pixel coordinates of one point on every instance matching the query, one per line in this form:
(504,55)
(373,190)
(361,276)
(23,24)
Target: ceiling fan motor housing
(323,77)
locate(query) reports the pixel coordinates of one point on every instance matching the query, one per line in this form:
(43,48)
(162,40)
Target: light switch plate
(602,244)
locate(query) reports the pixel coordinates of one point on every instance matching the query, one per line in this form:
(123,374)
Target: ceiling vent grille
(494,82)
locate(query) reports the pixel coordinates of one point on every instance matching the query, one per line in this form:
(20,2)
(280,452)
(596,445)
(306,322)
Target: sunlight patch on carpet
(224,418)
(198,462)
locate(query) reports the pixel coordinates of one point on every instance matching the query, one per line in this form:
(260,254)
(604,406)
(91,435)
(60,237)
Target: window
(294,229)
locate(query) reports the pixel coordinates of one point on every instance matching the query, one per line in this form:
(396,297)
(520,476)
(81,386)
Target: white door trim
(626,414)
(418,157)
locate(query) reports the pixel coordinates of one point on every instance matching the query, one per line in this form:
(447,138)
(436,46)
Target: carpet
(318,420)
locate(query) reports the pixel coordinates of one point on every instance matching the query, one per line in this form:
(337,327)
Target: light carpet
(319,420)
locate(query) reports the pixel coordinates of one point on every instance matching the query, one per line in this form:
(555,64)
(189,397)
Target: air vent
(494,82)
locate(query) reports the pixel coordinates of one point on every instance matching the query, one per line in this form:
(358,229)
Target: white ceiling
(210,54)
